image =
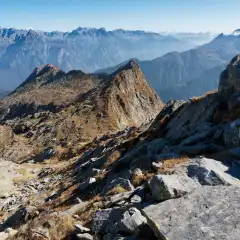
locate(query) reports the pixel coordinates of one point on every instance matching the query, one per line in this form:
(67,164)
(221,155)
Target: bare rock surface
(206,213)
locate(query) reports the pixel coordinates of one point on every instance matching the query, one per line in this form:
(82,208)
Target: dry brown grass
(197,99)
(59,228)
(116,190)
(170,164)
(137,180)
(87,213)
(64,226)
(114,156)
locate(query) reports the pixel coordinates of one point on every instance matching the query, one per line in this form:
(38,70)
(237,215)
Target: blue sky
(152,15)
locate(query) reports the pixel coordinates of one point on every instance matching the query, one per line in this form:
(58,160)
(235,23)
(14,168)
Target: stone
(225,87)
(40,233)
(77,200)
(206,213)
(130,224)
(96,171)
(104,219)
(21,216)
(234,102)
(46,154)
(83,186)
(75,208)
(115,199)
(210,172)
(110,236)
(122,182)
(198,149)
(229,80)
(164,187)
(198,137)
(4,236)
(157,165)
(80,229)
(84,236)
(137,172)
(231,135)
(11,232)
(171,106)
(192,118)
(156,146)
(136,199)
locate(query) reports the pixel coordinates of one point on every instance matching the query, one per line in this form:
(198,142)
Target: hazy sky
(152,15)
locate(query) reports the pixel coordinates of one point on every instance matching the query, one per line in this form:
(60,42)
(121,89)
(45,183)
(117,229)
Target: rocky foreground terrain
(100,157)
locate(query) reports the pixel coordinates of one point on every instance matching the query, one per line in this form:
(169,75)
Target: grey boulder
(210,212)
(131,223)
(210,172)
(164,187)
(80,229)
(119,182)
(84,236)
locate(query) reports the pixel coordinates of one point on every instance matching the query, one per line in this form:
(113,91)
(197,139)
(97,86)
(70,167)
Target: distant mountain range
(195,38)
(87,49)
(180,75)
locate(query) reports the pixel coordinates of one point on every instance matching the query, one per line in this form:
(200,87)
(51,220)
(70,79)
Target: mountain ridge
(170,73)
(87,49)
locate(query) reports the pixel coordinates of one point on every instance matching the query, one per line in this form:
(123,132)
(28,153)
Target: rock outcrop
(206,213)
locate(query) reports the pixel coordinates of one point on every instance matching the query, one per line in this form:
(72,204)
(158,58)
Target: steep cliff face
(129,98)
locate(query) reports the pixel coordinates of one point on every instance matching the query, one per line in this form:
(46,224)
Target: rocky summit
(97,156)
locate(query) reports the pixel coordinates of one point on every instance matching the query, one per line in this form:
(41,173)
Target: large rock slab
(198,137)
(192,118)
(211,172)
(164,187)
(206,213)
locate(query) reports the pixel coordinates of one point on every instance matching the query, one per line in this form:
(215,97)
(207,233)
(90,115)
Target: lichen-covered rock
(206,213)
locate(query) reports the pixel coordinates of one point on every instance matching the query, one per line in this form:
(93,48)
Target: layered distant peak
(41,76)
(44,71)
(236,32)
